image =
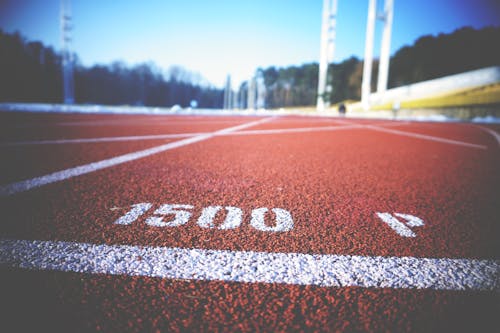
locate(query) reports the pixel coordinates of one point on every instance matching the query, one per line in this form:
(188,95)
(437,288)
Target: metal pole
(67,61)
(251,94)
(261,90)
(227,94)
(326,51)
(234,99)
(383,71)
(367,66)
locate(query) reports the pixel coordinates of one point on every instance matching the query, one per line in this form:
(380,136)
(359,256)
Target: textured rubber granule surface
(22,127)
(27,161)
(333,183)
(81,303)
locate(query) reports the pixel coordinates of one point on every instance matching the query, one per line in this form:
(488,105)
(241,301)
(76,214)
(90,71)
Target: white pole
(67,61)
(251,94)
(367,66)
(261,90)
(383,71)
(327,49)
(227,94)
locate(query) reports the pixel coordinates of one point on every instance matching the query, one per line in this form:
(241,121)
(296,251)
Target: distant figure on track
(395,109)
(342,110)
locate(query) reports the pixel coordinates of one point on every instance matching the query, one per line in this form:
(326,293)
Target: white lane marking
(296,130)
(425,137)
(411,221)
(182,215)
(132,215)
(105,139)
(177,135)
(396,225)
(490,131)
(392,123)
(183,135)
(29,184)
(254,267)
(284,220)
(233,218)
(140,122)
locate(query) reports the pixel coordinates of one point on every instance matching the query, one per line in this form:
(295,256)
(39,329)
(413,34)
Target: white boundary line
(296,130)
(426,137)
(254,267)
(178,135)
(105,139)
(490,131)
(29,184)
(183,135)
(416,135)
(140,122)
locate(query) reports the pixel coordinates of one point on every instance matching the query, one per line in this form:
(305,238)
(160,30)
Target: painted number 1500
(174,215)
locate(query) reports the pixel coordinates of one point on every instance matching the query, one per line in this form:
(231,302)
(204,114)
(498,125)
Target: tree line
(428,58)
(31,72)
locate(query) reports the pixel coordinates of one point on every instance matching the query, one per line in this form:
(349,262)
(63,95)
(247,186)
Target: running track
(239,223)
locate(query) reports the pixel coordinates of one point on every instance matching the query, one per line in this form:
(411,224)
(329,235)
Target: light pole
(326,52)
(367,65)
(67,58)
(383,70)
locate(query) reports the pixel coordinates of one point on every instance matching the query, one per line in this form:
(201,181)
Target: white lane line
(251,267)
(105,139)
(29,184)
(490,131)
(392,123)
(296,130)
(141,122)
(179,135)
(425,137)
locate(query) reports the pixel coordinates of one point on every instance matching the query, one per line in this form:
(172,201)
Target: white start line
(253,267)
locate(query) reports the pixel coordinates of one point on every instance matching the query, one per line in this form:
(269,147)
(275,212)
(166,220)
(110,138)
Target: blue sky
(220,37)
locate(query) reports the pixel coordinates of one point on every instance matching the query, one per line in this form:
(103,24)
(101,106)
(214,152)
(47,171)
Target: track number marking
(181,213)
(133,214)
(162,217)
(233,218)
(402,228)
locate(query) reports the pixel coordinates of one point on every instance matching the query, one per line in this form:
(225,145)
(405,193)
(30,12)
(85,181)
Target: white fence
(440,86)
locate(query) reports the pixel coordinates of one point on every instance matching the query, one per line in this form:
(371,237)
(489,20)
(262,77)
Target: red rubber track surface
(27,161)
(28,126)
(333,183)
(49,301)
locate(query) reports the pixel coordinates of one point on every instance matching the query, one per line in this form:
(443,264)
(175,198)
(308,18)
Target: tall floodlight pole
(251,94)
(67,59)
(227,94)
(326,51)
(367,66)
(235,100)
(383,69)
(261,90)
(242,94)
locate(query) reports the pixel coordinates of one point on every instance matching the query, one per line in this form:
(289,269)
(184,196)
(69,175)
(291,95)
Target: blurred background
(241,54)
